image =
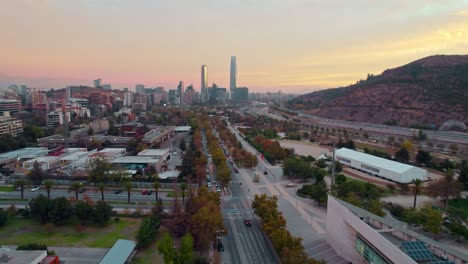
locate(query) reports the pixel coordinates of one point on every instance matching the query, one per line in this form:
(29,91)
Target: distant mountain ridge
(426,92)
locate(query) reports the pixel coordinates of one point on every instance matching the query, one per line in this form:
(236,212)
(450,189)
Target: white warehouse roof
(382,163)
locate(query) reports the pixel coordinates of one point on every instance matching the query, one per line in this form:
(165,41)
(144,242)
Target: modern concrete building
(10,125)
(9,105)
(233,78)
(241,95)
(380,167)
(204,84)
(128,99)
(140,89)
(97,83)
(359,236)
(180,92)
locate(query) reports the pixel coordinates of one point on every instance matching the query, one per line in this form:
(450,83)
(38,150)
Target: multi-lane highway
(455,137)
(242,243)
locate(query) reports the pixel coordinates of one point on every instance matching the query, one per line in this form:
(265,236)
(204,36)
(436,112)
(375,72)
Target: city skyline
(295,46)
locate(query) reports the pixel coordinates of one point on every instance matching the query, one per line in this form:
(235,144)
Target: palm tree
(48,186)
(416,189)
(183,187)
(75,187)
(20,183)
(128,186)
(101,187)
(156,186)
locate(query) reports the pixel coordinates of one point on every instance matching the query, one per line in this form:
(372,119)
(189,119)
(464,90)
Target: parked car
(218,189)
(291,185)
(118,191)
(265,172)
(247,222)
(150,192)
(144,192)
(82,190)
(36,188)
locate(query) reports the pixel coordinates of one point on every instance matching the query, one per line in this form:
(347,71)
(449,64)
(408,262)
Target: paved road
(243,244)
(93,194)
(303,219)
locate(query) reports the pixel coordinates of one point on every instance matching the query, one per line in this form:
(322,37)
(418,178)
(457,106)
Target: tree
(402,155)
(319,192)
(102,213)
(423,157)
(37,174)
(183,188)
(83,211)
(156,186)
(166,248)
(128,186)
(98,170)
(75,187)
(48,186)
(60,210)
(445,188)
(101,187)
(185,252)
(408,145)
(39,208)
(182,145)
(20,183)
(432,221)
(416,189)
(147,231)
(463,177)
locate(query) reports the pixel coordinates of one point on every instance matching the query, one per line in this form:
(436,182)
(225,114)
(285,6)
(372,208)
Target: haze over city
(295,46)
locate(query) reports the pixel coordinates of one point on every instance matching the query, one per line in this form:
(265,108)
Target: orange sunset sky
(296,46)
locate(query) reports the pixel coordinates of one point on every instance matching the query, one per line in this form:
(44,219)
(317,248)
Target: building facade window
(368,253)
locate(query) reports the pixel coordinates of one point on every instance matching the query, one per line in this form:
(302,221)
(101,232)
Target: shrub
(102,213)
(3,217)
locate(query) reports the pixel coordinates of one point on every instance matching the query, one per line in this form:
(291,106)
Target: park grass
(6,188)
(461,204)
(21,231)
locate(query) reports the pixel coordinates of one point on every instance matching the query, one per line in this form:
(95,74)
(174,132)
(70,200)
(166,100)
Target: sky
(295,46)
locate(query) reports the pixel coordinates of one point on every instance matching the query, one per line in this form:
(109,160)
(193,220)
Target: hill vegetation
(424,93)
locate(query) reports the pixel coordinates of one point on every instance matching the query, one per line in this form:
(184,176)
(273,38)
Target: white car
(35,189)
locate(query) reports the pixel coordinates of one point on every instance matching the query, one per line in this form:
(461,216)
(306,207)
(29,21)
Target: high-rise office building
(97,83)
(140,89)
(204,83)
(180,91)
(189,95)
(233,77)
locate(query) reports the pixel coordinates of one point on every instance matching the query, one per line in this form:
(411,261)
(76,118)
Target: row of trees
(242,157)
(271,149)
(60,210)
(289,248)
(223,173)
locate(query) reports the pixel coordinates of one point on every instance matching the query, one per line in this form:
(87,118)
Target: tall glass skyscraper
(233,79)
(204,83)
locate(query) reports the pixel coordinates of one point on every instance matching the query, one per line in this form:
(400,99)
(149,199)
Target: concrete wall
(342,228)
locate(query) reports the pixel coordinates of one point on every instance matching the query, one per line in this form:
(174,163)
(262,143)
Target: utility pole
(333,166)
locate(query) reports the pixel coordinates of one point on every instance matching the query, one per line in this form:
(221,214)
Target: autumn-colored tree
(445,188)
(432,220)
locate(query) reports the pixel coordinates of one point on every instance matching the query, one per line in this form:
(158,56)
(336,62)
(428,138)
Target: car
(36,188)
(291,185)
(247,222)
(118,191)
(208,184)
(150,192)
(174,153)
(207,170)
(218,189)
(236,170)
(265,172)
(82,190)
(144,192)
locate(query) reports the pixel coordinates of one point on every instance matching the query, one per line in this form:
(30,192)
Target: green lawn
(460,204)
(6,188)
(21,231)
